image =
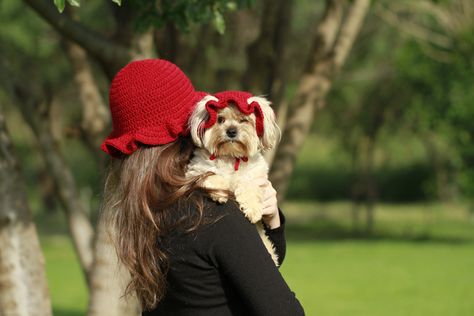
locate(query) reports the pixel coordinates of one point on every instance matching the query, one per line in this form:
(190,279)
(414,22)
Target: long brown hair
(139,193)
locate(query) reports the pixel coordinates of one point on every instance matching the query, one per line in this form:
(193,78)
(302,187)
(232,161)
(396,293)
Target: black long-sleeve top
(223,269)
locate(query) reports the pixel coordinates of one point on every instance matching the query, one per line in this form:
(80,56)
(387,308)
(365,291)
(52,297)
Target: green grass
(65,279)
(418,261)
(381,278)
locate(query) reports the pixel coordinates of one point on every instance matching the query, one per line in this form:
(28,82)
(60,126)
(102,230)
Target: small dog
(230,130)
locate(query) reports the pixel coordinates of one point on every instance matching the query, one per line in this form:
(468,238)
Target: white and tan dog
(230,130)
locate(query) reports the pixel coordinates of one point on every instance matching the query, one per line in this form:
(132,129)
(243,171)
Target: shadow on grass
(67,312)
(327,230)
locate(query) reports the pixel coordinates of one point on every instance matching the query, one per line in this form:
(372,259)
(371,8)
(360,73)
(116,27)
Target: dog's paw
(252,212)
(219,198)
(249,198)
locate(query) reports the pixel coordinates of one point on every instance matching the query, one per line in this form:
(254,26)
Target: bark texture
(331,44)
(95,113)
(109,279)
(23,286)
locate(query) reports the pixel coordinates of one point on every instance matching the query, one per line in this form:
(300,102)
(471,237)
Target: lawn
(382,277)
(418,261)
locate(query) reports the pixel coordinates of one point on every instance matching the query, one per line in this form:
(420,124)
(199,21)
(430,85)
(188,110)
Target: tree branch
(329,52)
(412,28)
(111,55)
(349,30)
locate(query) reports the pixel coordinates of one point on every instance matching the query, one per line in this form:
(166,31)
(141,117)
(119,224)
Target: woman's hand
(270,215)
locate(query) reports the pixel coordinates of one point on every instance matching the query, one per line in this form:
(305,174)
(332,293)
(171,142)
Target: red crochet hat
(150,102)
(240,99)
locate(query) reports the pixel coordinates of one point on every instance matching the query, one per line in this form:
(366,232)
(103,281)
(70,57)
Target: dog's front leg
(220,184)
(249,197)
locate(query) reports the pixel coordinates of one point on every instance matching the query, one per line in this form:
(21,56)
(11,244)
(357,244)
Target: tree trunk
(109,279)
(371,191)
(143,46)
(167,40)
(23,286)
(95,113)
(265,67)
(438,162)
(329,51)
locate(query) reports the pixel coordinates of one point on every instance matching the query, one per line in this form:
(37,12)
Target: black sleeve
(277,236)
(237,250)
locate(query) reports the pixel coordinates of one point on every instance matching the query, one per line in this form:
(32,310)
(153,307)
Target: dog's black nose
(231,132)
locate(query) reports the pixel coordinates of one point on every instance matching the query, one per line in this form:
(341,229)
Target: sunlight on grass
(381,278)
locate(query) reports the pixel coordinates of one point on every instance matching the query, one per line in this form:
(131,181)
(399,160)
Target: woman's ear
(198,118)
(271,132)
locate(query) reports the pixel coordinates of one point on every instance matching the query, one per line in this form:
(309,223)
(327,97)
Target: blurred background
(375,170)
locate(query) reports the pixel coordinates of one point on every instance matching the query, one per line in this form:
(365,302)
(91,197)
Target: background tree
(23,287)
(331,45)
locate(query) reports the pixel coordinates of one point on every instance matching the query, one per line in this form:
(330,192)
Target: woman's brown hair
(139,194)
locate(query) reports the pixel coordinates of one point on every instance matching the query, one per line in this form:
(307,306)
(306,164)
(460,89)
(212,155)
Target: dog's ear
(271,131)
(198,118)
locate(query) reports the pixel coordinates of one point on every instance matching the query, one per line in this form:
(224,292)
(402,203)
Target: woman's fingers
(269,200)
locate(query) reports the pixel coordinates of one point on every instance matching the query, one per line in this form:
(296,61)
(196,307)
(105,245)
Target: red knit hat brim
(126,144)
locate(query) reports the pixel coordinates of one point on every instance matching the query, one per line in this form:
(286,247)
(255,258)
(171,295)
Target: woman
(186,254)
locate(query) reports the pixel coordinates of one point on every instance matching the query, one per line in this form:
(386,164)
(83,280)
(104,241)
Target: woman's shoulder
(224,227)
(223,214)
(204,213)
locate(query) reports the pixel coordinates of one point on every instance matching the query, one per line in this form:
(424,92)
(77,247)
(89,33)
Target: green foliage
(323,171)
(61,4)
(184,13)
(442,101)
(394,90)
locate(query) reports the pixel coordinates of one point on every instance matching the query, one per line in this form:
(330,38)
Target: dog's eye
(243,120)
(220,119)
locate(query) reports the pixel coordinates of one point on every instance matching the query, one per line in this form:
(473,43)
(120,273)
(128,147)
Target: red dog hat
(150,102)
(239,98)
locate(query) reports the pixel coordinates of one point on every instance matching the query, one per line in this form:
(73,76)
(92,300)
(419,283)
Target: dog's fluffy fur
(215,142)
